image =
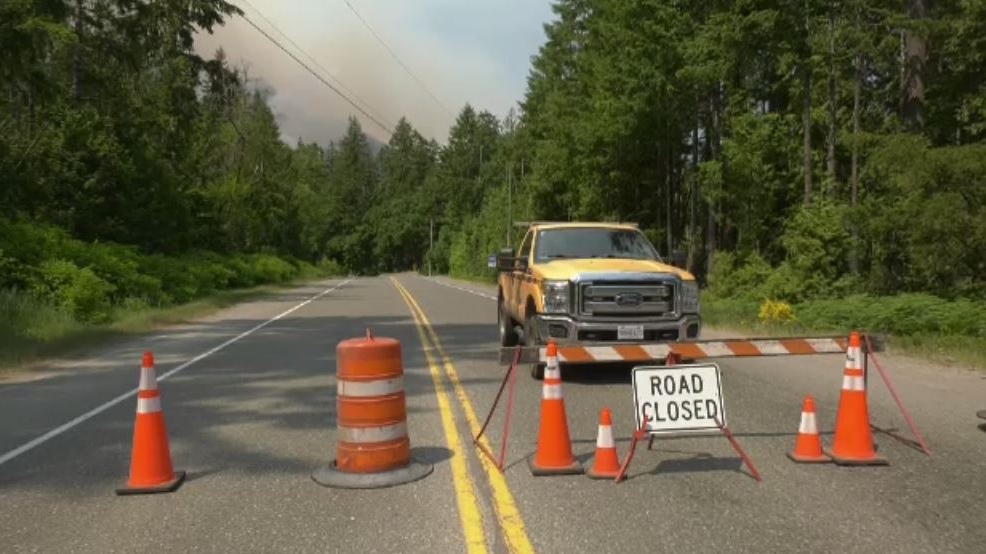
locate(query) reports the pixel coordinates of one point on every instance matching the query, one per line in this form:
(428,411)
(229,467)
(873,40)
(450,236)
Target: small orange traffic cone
(150,461)
(607,462)
(554,454)
(853,442)
(808,448)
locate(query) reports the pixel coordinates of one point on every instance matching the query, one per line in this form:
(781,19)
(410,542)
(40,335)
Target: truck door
(517,277)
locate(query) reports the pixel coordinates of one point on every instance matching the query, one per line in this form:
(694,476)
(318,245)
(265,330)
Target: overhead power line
(319,77)
(398,59)
(311,58)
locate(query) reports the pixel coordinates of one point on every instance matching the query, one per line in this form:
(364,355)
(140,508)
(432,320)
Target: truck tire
(508,335)
(530,339)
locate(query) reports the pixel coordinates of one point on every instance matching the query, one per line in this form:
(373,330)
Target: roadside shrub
(24,315)
(772,312)
(739,277)
(80,291)
(905,315)
(271,269)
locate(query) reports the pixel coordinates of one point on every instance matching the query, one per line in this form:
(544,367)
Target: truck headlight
(689,297)
(555,297)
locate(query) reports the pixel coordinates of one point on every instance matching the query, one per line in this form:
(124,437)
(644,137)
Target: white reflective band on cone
(371,388)
(551,392)
(551,369)
(808,424)
(854,358)
(373,434)
(853,383)
(148,380)
(149,405)
(605,437)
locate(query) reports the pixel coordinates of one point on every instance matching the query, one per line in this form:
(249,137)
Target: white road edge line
(96,411)
(463,289)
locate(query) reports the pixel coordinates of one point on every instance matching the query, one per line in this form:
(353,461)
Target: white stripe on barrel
(149,405)
(605,437)
(365,435)
(361,389)
(808,424)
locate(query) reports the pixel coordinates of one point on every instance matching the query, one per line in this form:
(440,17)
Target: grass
(32,331)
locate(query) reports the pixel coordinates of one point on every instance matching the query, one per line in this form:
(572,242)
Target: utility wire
(332,77)
(397,58)
(317,76)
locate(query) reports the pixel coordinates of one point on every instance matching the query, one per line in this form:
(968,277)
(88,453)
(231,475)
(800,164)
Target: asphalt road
(249,404)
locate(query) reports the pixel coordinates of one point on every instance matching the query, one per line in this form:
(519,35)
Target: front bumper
(567,330)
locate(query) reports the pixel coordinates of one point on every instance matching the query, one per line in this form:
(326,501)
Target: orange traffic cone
(808,448)
(607,462)
(150,460)
(853,442)
(554,454)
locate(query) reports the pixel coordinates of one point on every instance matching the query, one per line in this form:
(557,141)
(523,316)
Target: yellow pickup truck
(592,283)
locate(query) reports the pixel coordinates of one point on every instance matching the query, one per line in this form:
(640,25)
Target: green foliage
(89,281)
(79,291)
(905,315)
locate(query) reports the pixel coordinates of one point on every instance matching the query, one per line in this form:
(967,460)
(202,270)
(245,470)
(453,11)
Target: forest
(824,156)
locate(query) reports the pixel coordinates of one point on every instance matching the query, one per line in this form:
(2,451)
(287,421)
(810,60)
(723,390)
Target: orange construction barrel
(374,449)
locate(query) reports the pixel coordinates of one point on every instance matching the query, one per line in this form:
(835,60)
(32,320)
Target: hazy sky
(475,51)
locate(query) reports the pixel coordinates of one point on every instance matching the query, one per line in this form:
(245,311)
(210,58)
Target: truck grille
(627,299)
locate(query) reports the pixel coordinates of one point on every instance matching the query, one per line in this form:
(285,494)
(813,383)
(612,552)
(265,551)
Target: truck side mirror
(505,260)
(679,259)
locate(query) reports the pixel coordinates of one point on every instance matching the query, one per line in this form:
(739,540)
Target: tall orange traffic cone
(606,465)
(554,454)
(853,442)
(150,461)
(808,448)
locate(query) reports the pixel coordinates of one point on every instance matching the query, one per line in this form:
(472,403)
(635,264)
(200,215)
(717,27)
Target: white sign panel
(491,261)
(679,398)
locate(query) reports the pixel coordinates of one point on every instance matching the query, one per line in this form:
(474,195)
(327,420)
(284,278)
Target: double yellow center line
(508,516)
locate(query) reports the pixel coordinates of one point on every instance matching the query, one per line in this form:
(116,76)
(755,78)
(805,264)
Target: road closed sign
(679,398)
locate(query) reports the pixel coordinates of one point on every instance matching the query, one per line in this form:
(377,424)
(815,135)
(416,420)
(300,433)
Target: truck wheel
(508,335)
(531,339)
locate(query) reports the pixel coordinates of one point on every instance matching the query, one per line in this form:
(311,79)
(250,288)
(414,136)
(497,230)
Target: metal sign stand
(638,435)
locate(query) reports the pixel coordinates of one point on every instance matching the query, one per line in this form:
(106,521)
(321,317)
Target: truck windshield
(593,242)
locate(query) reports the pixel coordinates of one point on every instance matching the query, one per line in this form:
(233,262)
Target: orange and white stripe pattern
(852,377)
(809,423)
(148,395)
(551,389)
(371,405)
(698,349)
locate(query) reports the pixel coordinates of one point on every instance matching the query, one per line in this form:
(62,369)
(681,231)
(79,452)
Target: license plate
(630,332)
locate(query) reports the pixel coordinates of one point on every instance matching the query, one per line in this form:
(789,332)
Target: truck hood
(567,269)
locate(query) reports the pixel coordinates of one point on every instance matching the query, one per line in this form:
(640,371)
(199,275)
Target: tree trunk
(668,179)
(806,82)
(915,60)
(693,200)
(854,177)
(77,58)
(830,161)
(712,231)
